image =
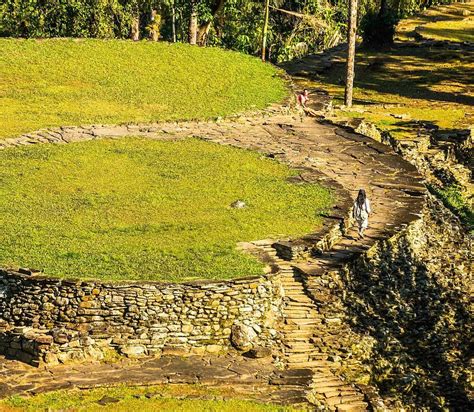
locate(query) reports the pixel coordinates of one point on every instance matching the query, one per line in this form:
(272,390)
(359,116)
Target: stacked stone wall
(400,315)
(52,319)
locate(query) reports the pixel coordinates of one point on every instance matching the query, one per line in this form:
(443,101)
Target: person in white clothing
(361,212)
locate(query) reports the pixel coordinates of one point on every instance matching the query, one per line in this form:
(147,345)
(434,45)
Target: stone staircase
(301,331)
(304,334)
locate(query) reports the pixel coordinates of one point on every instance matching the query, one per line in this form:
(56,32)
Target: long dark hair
(361,198)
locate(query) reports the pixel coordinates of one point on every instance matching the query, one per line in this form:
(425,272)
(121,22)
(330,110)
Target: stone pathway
(251,378)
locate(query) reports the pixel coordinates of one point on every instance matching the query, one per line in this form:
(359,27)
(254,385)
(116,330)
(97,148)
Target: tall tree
(135,26)
(351,45)
(265,29)
(193,22)
(173,20)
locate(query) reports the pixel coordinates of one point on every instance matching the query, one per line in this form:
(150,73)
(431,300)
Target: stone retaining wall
(398,316)
(53,319)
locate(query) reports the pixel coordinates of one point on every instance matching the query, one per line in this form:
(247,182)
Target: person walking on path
(361,212)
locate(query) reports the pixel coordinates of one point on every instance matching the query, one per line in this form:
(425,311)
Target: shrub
(378,29)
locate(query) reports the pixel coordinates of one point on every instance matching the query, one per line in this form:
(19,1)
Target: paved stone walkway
(252,378)
(325,153)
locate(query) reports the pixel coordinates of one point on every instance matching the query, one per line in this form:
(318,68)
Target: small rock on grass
(105,400)
(238,204)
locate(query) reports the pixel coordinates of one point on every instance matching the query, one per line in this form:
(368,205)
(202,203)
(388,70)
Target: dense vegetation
(146,399)
(145,209)
(296,27)
(61,82)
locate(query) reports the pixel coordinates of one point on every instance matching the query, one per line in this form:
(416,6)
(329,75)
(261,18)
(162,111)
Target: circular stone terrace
(52,320)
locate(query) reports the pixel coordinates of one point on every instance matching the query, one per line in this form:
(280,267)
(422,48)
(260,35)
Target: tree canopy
(296,27)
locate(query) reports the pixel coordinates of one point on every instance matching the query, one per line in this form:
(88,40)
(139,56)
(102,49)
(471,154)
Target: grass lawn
(397,88)
(146,209)
(59,82)
(459,31)
(452,22)
(148,399)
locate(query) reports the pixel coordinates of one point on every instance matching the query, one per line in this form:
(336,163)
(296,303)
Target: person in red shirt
(303,98)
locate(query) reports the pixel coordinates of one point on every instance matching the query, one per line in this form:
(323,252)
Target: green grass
(59,82)
(457,31)
(452,22)
(148,399)
(453,199)
(146,209)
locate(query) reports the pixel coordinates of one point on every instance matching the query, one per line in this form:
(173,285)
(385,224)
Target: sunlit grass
(146,209)
(59,82)
(451,22)
(458,31)
(146,399)
(402,88)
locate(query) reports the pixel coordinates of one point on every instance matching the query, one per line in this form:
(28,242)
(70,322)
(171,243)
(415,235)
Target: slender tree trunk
(351,43)
(173,21)
(193,23)
(135,30)
(265,29)
(154,26)
(383,8)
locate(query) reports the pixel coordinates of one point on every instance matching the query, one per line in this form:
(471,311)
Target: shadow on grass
(454,35)
(413,74)
(421,328)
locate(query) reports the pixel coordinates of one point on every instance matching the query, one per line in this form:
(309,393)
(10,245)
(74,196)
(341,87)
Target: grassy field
(459,31)
(399,88)
(452,22)
(144,209)
(59,82)
(149,399)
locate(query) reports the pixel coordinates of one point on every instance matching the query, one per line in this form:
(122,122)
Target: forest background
(296,27)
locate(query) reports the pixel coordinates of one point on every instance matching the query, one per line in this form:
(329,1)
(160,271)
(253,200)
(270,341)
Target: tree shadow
(461,34)
(421,325)
(418,74)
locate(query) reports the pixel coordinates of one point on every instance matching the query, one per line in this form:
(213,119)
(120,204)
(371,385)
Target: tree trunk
(265,29)
(135,29)
(173,21)
(351,43)
(154,32)
(383,8)
(193,23)
(204,28)
(202,33)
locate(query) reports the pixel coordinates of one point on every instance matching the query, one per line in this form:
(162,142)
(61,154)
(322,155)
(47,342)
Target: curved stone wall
(58,319)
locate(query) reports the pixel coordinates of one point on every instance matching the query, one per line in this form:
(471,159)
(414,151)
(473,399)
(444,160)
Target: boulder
(238,204)
(242,337)
(133,351)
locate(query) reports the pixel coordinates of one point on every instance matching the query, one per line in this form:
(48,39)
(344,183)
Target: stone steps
(304,326)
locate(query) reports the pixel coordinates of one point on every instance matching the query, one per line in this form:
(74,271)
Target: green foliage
(158,398)
(320,24)
(62,82)
(452,197)
(145,209)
